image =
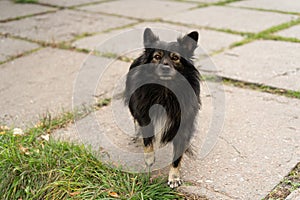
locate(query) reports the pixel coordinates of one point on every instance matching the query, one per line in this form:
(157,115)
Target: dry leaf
(45,137)
(74,193)
(18,131)
(113,194)
(24,150)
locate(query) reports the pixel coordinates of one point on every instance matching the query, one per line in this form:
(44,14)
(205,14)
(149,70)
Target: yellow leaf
(2,133)
(113,194)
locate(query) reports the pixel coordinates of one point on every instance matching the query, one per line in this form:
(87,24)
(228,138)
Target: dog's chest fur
(161,123)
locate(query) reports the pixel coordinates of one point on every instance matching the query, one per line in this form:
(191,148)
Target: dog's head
(169,57)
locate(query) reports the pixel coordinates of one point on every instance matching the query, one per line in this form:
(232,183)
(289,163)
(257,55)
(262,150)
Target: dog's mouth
(165,77)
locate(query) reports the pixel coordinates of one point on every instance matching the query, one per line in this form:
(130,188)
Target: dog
(164,75)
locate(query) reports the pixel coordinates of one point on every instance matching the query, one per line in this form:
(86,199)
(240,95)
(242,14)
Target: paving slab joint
(261,87)
(27,16)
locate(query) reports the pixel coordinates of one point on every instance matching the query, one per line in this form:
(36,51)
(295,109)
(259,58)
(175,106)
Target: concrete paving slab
(152,9)
(68,3)
(51,28)
(10,10)
(254,151)
(33,84)
(272,63)
(231,18)
(279,5)
(209,40)
(13,47)
(293,32)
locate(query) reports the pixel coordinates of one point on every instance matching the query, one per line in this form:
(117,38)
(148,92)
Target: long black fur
(157,91)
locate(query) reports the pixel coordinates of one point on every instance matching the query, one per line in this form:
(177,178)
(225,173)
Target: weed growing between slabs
(25,1)
(290,183)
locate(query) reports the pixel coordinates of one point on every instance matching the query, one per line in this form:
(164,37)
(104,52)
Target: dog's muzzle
(165,72)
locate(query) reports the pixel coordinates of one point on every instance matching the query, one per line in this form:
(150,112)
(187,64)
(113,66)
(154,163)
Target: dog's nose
(165,62)
(165,68)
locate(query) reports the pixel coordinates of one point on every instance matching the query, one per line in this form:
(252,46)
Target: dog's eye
(175,58)
(157,57)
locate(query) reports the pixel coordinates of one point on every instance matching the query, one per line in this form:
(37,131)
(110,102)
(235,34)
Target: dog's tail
(190,151)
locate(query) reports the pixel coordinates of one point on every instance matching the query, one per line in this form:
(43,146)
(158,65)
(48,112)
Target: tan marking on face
(157,56)
(175,57)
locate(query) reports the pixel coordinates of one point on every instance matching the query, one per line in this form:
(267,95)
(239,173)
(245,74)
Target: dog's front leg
(174,179)
(148,145)
(148,136)
(149,154)
(179,146)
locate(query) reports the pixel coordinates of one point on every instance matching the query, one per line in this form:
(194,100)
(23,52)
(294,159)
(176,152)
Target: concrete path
(247,140)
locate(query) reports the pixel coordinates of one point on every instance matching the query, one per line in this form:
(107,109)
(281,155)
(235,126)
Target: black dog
(165,75)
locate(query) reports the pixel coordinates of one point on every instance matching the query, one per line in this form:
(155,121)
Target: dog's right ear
(149,37)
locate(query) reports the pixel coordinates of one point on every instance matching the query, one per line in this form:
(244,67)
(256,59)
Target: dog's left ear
(149,37)
(189,41)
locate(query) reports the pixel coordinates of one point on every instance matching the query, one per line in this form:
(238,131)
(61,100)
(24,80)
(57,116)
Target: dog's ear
(189,41)
(149,37)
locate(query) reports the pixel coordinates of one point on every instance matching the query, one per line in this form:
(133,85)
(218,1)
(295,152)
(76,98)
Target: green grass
(222,3)
(33,168)
(103,102)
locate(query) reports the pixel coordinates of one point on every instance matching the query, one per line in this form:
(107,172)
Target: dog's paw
(175,182)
